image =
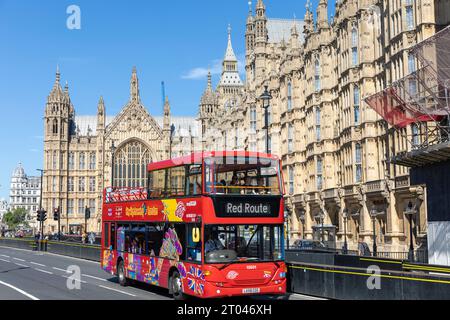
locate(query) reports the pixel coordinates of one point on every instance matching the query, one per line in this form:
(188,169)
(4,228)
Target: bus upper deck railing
(125,194)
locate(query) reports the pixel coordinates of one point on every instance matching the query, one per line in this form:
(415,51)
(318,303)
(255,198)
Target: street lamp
(266,97)
(410,212)
(40,203)
(374,214)
(345,217)
(113,152)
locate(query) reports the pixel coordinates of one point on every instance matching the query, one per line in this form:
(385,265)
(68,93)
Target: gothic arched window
(358,162)
(289,96)
(130,165)
(354,46)
(317,74)
(356,101)
(55,127)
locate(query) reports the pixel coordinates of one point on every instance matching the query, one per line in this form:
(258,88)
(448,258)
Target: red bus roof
(199,156)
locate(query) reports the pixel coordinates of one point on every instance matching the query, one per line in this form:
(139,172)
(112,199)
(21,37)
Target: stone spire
(101,107)
(101,115)
(229,54)
(309,20)
(166,124)
(260,6)
(134,87)
(261,23)
(250,31)
(209,97)
(230,71)
(57,93)
(322,15)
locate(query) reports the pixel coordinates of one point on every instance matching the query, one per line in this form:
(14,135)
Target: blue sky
(172,41)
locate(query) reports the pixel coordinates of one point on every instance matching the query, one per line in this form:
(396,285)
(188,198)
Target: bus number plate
(251,290)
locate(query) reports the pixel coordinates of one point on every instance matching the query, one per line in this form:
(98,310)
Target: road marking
(86,275)
(5,260)
(38,264)
(120,291)
(63,270)
(44,271)
(5,256)
(69,277)
(21,265)
(19,259)
(19,290)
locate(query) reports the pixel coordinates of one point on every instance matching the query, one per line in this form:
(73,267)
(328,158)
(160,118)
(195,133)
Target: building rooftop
(279,29)
(88,124)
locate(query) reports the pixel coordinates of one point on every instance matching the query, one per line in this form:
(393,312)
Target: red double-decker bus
(206,225)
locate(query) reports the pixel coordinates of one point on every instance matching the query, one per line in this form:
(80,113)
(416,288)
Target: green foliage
(15,218)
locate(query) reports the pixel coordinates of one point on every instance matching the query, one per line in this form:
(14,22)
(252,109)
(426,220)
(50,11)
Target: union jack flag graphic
(195,280)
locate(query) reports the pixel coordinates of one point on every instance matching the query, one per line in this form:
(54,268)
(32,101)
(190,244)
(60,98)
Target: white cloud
(200,73)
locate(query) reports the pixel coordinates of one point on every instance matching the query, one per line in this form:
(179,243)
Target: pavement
(28,275)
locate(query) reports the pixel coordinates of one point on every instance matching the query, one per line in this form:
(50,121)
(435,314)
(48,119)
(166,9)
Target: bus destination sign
(245,208)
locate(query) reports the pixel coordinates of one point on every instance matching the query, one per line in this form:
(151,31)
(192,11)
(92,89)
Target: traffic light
(56,214)
(87,213)
(42,215)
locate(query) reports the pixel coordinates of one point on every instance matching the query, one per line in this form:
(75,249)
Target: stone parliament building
(78,153)
(334,148)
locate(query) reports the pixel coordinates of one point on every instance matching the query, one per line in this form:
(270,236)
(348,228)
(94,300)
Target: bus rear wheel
(177,286)
(123,281)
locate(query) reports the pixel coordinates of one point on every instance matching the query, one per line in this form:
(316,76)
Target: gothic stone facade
(79,152)
(334,148)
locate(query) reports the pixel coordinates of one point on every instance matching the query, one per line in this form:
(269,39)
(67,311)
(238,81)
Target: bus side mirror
(196,235)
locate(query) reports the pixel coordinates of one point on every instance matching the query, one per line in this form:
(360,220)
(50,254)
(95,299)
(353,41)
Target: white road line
(54,268)
(19,290)
(5,260)
(92,277)
(120,291)
(19,259)
(21,265)
(5,256)
(38,264)
(67,277)
(44,271)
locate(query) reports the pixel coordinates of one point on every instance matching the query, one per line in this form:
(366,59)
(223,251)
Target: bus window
(194,243)
(136,240)
(194,180)
(177,178)
(156,184)
(122,243)
(106,235)
(242,175)
(155,234)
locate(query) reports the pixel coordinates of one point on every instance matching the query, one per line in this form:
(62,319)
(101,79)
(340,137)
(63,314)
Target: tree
(15,218)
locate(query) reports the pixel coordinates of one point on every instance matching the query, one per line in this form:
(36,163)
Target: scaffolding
(422,97)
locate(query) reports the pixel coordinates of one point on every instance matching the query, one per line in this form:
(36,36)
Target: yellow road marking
(372,275)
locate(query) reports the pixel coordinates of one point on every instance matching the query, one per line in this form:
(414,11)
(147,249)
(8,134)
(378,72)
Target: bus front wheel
(177,286)
(121,274)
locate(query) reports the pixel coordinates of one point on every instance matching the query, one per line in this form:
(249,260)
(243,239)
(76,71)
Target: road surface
(27,275)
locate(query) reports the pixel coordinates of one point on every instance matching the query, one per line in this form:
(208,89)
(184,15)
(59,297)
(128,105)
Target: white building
(25,193)
(4,207)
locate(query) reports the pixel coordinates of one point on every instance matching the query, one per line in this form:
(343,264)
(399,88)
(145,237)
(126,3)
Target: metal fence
(420,256)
